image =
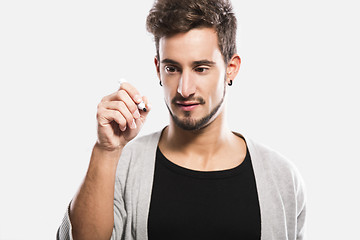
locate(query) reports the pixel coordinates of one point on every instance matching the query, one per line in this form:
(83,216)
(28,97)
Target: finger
(110,97)
(121,107)
(131,91)
(106,116)
(122,95)
(130,104)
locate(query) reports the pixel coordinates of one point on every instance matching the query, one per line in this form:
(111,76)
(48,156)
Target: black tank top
(194,205)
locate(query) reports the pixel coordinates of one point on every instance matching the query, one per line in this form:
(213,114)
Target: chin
(191,123)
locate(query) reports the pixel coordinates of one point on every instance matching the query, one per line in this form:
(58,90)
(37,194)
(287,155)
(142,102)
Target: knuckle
(121,93)
(120,105)
(100,105)
(104,99)
(99,114)
(100,109)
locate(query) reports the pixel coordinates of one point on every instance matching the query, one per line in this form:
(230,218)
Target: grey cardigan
(279,185)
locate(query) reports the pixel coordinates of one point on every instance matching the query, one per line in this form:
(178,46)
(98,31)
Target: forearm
(92,209)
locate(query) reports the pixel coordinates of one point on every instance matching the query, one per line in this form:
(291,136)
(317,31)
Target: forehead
(196,44)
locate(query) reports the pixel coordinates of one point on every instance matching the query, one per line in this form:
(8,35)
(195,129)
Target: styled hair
(169,17)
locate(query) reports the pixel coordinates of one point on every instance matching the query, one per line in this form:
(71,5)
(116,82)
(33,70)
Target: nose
(187,85)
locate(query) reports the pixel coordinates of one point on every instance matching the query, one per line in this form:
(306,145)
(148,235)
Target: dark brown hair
(169,17)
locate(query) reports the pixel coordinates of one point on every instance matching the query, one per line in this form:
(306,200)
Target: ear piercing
(230,83)
(160,83)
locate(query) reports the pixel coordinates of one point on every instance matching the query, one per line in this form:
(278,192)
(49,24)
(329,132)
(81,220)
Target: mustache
(200,100)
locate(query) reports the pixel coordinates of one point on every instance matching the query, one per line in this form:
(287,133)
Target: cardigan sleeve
(301,210)
(301,233)
(64,231)
(119,213)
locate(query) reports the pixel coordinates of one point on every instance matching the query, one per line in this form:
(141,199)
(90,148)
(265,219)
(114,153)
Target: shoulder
(270,157)
(275,165)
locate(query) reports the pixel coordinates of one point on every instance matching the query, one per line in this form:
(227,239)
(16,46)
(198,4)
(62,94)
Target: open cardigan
(280,191)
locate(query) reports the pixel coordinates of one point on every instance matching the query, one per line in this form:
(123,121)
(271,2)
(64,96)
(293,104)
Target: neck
(205,141)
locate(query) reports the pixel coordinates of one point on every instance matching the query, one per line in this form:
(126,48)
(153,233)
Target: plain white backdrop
(297,91)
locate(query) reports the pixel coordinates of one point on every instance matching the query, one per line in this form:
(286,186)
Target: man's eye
(201,69)
(171,69)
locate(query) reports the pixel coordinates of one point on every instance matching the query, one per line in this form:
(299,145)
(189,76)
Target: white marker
(141,106)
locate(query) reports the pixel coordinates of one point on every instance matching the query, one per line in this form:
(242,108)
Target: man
(196,179)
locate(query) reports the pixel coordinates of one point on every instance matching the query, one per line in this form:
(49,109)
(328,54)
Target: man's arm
(119,121)
(92,209)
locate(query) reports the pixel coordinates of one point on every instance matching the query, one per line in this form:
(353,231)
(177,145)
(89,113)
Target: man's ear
(233,68)
(157,66)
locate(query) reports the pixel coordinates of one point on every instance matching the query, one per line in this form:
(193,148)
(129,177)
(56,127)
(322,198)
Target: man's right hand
(119,120)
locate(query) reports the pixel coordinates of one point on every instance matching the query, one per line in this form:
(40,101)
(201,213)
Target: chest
(188,204)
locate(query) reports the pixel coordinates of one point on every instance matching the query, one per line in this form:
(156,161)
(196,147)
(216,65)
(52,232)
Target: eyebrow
(200,62)
(169,61)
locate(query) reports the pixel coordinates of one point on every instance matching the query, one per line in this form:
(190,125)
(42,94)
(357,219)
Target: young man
(196,179)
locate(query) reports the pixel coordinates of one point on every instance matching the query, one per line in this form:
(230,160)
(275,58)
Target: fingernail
(133,125)
(123,129)
(136,114)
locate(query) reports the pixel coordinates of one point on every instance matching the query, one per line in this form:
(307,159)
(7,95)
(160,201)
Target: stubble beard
(191,124)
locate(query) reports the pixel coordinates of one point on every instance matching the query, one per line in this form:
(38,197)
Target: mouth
(187,105)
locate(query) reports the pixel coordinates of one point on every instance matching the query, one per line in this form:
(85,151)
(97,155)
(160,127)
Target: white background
(297,92)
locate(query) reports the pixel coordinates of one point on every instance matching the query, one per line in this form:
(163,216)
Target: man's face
(192,71)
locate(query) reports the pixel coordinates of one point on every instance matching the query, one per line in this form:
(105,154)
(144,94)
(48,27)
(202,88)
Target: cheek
(215,96)
(169,93)
(216,91)
(170,86)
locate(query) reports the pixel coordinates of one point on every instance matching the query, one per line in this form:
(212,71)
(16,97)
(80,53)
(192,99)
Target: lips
(187,105)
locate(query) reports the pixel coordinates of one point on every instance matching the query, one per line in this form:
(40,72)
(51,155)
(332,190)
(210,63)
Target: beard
(189,123)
